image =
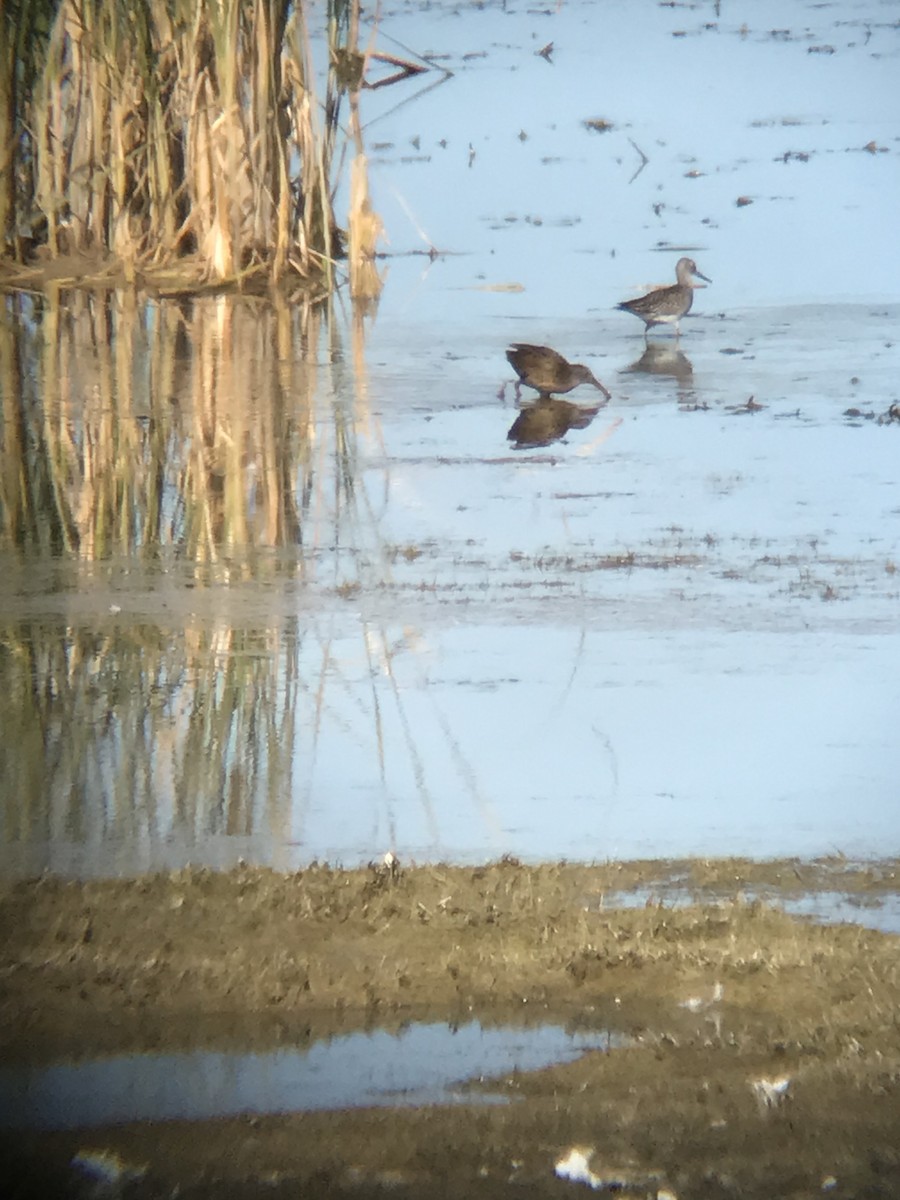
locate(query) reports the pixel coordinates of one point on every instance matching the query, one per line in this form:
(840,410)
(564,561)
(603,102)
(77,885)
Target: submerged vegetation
(180,144)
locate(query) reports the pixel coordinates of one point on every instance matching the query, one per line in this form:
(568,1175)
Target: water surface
(425,1064)
(274,586)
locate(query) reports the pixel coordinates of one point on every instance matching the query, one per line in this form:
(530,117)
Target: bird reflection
(661,358)
(547,420)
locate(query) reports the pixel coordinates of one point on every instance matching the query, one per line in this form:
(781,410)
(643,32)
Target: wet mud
(751,1053)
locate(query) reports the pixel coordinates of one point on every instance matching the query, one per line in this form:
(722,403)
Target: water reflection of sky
(424,1064)
(500,690)
(620,745)
(561,211)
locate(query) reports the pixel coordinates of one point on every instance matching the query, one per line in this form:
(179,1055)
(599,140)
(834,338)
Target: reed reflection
(120,742)
(191,474)
(142,427)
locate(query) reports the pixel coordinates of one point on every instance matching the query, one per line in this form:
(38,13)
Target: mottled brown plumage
(546,371)
(667,305)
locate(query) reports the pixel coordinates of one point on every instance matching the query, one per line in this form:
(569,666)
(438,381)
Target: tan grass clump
(178,145)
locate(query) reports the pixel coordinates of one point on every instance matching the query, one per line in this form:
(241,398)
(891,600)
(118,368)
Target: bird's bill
(597,384)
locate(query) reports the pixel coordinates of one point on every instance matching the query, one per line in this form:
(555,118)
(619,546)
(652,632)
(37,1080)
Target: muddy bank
(757,1054)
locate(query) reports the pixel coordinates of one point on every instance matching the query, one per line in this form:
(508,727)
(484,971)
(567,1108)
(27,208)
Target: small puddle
(880,912)
(424,1064)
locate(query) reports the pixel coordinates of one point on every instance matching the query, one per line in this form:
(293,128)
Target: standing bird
(667,305)
(547,372)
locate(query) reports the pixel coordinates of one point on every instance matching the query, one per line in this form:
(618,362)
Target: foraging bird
(547,372)
(667,305)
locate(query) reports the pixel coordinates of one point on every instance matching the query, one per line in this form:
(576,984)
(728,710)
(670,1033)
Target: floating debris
(598,125)
(405,69)
(623,1181)
(499,287)
(743,201)
(890,417)
(749,406)
(770,1093)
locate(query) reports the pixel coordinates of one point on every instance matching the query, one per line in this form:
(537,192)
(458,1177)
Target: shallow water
(424,1064)
(345,616)
(827,907)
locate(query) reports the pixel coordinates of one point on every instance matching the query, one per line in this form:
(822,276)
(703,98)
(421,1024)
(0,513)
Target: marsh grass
(706,1009)
(179,145)
(485,937)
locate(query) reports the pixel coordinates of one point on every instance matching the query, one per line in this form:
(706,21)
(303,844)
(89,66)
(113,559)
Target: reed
(177,144)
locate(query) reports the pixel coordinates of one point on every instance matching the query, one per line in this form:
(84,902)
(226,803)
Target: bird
(667,305)
(546,371)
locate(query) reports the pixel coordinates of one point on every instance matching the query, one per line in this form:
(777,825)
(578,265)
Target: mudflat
(752,1053)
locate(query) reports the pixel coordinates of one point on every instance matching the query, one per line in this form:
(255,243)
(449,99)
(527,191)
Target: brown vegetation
(176,145)
(756,1055)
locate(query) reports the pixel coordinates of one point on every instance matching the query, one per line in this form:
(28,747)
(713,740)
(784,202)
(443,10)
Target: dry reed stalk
(9,89)
(50,138)
(167,135)
(364,227)
(15,517)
